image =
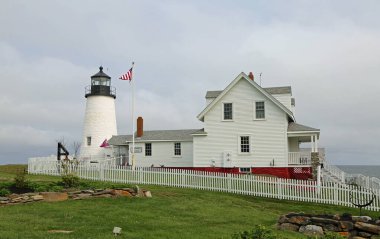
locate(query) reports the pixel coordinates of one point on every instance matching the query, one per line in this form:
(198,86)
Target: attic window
(260,110)
(227,111)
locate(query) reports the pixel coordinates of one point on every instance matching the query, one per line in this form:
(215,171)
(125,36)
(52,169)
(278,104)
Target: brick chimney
(251,76)
(140,127)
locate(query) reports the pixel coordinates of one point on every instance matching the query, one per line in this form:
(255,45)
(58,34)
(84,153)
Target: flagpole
(133,121)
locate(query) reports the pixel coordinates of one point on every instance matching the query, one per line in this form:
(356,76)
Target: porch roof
(294,127)
(182,135)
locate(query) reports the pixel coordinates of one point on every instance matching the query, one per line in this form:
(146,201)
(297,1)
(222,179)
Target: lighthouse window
(88,141)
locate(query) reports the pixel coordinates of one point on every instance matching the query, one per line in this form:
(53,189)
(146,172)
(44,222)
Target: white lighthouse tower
(100,117)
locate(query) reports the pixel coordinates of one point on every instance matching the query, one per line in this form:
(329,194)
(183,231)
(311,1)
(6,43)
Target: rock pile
(75,195)
(355,227)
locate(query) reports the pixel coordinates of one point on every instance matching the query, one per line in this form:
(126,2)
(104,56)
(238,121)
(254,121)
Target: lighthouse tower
(100,117)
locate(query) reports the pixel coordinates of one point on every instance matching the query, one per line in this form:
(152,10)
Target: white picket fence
(247,184)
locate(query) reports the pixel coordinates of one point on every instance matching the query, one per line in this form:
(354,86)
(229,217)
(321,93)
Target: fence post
(279,187)
(101,171)
(229,183)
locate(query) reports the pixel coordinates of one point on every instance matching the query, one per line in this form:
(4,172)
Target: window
(260,110)
(148,149)
(227,111)
(177,149)
(245,170)
(89,141)
(245,146)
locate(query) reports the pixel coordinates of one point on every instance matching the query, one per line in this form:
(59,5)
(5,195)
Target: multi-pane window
(88,141)
(244,170)
(227,111)
(148,149)
(260,110)
(177,149)
(245,144)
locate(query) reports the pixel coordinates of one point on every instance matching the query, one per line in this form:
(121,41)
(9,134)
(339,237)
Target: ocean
(367,170)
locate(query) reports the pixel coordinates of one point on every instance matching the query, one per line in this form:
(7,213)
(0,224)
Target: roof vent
(251,76)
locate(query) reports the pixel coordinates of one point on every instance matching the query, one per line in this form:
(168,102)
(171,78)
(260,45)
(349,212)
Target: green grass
(171,213)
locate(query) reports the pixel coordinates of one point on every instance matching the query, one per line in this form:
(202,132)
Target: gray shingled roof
(213,94)
(270,90)
(279,90)
(294,127)
(156,135)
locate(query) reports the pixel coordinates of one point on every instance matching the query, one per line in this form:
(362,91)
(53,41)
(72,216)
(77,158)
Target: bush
(258,232)
(20,180)
(4,192)
(70,181)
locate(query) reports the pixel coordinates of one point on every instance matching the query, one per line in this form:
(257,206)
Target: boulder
(82,196)
(311,230)
(37,197)
(346,225)
(331,228)
(288,227)
(121,193)
(54,196)
(365,234)
(375,229)
(147,194)
(324,220)
(299,220)
(361,218)
(3,199)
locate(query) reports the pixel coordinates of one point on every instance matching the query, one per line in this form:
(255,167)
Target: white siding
(209,100)
(293,144)
(163,154)
(284,99)
(99,124)
(268,137)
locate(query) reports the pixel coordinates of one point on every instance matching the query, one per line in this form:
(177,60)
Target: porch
(300,134)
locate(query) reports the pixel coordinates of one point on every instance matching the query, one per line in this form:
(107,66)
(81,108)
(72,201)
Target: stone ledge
(74,195)
(346,224)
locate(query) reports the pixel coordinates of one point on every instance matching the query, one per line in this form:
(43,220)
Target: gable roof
(243,76)
(270,90)
(156,135)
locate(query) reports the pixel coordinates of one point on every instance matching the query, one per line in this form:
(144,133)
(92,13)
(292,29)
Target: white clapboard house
(247,128)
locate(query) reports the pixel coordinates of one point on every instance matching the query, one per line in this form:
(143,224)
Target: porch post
(312,143)
(316,143)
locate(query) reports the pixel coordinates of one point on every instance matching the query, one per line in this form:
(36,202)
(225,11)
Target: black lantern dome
(100,85)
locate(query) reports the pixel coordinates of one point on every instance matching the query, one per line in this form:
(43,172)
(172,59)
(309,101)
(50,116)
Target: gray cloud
(327,51)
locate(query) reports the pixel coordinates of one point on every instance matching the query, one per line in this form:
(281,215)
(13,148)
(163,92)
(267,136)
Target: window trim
(255,112)
(249,143)
(145,149)
(233,112)
(180,149)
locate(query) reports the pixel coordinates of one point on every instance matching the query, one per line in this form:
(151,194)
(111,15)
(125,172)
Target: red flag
(127,76)
(105,144)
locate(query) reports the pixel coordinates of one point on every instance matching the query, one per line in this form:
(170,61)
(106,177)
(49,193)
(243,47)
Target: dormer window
(227,111)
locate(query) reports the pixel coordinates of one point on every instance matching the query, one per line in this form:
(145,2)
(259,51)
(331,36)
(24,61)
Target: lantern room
(100,85)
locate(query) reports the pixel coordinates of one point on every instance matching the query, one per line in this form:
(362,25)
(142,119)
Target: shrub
(70,181)
(4,192)
(20,180)
(258,232)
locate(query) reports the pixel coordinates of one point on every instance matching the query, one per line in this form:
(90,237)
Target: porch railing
(299,158)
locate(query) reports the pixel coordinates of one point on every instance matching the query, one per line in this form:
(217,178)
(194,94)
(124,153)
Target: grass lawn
(171,213)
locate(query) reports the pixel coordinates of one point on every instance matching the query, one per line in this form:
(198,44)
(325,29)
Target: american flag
(127,76)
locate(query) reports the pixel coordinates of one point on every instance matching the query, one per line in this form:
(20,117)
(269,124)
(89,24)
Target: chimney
(140,128)
(251,76)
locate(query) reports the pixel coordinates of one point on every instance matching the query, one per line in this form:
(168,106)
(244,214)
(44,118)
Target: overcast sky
(328,51)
